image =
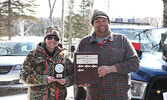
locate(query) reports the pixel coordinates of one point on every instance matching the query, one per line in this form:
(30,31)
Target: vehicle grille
(5,83)
(156,87)
(9,82)
(5,69)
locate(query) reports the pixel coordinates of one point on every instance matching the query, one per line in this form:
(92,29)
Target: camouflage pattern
(33,74)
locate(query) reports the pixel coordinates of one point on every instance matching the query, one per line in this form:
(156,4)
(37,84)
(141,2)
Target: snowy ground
(70,96)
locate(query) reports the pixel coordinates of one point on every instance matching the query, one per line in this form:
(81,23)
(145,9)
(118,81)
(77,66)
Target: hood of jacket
(40,48)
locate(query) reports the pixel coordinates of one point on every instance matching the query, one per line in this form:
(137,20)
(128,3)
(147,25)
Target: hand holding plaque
(59,71)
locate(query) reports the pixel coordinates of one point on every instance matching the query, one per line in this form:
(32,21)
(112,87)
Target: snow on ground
(15,97)
(70,95)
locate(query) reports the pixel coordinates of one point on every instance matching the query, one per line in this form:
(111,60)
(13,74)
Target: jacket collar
(40,48)
(93,37)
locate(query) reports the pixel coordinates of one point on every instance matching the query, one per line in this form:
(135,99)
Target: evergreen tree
(80,21)
(12,10)
(85,12)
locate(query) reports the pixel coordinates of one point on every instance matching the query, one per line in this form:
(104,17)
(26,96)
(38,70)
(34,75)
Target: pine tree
(12,10)
(81,21)
(85,21)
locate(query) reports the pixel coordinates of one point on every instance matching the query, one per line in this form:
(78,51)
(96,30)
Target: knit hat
(98,14)
(51,31)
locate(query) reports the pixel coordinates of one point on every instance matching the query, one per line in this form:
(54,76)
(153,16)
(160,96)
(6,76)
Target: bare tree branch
(53,6)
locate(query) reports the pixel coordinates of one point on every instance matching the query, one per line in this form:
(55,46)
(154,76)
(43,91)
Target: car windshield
(15,48)
(148,38)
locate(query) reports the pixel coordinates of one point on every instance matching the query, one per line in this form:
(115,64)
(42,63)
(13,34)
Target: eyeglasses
(51,37)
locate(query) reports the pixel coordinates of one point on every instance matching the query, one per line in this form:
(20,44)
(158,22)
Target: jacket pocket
(117,55)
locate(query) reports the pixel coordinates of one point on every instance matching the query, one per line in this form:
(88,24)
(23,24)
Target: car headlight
(17,67)
(138,89)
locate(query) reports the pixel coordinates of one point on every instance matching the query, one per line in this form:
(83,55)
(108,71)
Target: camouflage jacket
(35,69)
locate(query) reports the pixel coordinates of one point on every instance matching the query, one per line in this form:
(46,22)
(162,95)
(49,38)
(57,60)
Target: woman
(39,69)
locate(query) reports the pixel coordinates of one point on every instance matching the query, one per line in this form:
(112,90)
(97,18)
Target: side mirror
(72,48)
(164,52)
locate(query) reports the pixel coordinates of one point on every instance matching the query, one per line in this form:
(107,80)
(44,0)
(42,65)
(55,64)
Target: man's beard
(104,30)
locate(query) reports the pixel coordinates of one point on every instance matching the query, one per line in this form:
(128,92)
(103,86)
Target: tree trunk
(9,20)
(21,28)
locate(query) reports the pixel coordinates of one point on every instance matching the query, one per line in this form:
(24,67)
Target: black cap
(98,14)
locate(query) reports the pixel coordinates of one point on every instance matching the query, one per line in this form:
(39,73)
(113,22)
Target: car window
(148,38)
(15,48)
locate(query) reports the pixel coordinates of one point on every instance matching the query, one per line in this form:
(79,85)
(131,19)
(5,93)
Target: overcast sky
(117,8)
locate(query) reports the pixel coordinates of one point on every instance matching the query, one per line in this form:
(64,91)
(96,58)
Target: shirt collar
(93,37)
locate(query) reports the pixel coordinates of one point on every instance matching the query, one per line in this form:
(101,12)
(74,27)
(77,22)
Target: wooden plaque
(86,65)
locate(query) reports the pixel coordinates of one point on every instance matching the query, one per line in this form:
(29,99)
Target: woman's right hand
(51,79)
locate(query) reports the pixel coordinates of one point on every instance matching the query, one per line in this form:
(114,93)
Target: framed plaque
(85,70)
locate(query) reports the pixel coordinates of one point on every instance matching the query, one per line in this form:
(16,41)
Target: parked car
(12,55)
(149,82)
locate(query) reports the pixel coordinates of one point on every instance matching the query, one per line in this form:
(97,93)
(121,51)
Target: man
(117,59)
